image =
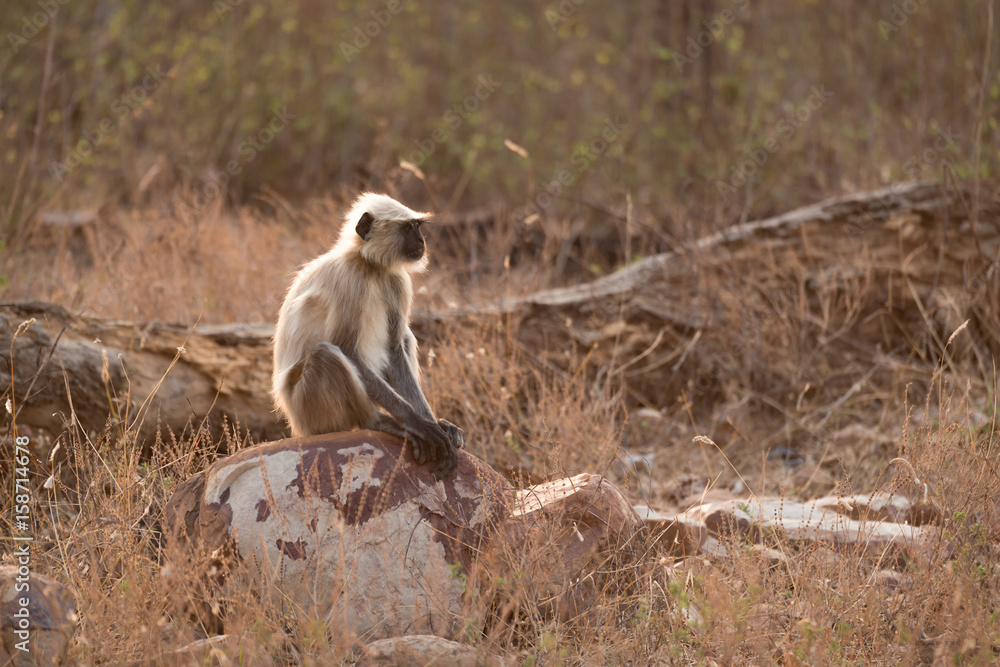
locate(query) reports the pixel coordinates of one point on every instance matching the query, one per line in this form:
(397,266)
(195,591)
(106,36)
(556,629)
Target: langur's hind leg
(327,395)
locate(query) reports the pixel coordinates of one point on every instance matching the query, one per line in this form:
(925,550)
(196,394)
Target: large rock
(43,626)
(675,534)
(346,528)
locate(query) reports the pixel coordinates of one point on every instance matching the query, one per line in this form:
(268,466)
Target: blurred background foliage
(899,73)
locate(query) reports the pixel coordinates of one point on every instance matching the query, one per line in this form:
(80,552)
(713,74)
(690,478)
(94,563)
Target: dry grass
(173,263)
(536,414)
(97,530)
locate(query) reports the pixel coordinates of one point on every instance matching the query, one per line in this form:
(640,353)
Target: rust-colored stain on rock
(295,550)
(263,510)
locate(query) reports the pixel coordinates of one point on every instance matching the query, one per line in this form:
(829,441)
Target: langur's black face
(413,240)
(396,240)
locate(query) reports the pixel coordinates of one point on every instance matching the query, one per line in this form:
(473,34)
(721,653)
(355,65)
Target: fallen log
(895,269)
(67,369)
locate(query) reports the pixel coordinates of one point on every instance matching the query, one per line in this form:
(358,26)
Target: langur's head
(386,233)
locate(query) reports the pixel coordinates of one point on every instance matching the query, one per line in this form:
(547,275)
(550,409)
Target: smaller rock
(46,622)
(676,535)
(562,532)
(922,514)
(419,650)
(221,651)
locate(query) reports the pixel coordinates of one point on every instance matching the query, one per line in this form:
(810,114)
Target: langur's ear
(364,227)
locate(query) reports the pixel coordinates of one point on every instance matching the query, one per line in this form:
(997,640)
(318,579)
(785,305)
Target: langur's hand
(430,441)
(455,435)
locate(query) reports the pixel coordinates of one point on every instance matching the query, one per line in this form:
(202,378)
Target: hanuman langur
(343,346)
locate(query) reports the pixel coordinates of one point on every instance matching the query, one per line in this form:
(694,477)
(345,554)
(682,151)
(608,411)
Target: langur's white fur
(337,299)
(382,208)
